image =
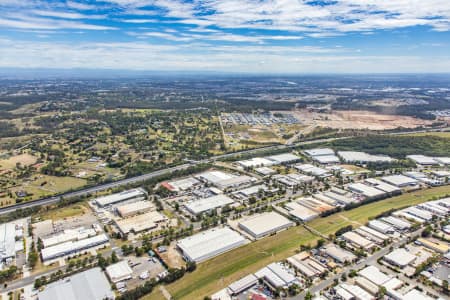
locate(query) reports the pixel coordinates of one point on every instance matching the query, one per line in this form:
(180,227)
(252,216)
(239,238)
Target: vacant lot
(220,271)
(23,159)
(358,120)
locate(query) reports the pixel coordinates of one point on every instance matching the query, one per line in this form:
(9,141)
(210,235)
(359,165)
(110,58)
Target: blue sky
(270,36)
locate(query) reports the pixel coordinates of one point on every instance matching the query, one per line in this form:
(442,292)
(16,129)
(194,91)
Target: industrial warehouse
(199,206)
(120,197)
(264,224)
(210,243)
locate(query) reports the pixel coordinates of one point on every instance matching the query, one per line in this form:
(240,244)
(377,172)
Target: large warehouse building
(265,224)
(207,244)
(120,197)
(207,204)
(88,285)
(73,247)
(7,241)
(135,208)
(142,222)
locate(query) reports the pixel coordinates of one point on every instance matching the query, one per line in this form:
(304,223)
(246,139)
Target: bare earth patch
(358,120)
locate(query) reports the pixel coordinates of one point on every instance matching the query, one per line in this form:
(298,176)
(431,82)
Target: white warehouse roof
(283,158)
(388,188)
(119,197)
(7,241)
(319,152)
(399,180)
(300,212)
(119,271)
(264,224)
(422,159)
(134,208)
(88,285)
(210,243)
(400,257)
(366,190)
(397,223)
(355,156)
(72,247)
(198,206)
(374,275)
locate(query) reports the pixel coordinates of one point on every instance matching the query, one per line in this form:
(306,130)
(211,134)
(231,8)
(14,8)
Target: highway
(144,177)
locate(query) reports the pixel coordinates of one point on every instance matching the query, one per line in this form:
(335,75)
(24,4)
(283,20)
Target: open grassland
(65,212)
(220,271)
(438,134)
(23,159)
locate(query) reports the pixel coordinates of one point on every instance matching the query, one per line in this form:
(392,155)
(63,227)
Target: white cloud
(145,56)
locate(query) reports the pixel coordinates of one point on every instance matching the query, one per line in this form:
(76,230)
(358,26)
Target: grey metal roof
(88,285)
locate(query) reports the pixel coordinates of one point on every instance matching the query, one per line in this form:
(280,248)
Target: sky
(244,36)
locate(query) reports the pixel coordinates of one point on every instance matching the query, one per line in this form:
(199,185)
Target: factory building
(422,160)
(356,292)
(293,180)
(338,254)
(181,184)
(285,158)
(307,265)
(134,208)
(363,158)
(139,223)
(88,285)
(119,271)
(224,180)
(340,198)
(73,247)
(322,155)
(207,244)
(400,180)
(7,242)
(242,284)
(380,226)
(199,206)
(434,244)
(357,240)
(313,170)
(315,205)
(385,187)
(276,276)
(400,258)
(366,190)
(265,224)
(120,197)
(300,212)
(374,275)
(373,235)
(398,223)
(265,171)
(68,235)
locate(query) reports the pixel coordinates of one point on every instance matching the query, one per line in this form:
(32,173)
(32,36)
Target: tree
(308,295)
(114,257)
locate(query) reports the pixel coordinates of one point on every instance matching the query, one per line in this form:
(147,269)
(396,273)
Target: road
(370,260)
(144,177)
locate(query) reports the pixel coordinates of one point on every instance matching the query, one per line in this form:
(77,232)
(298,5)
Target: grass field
(65,212)
(23,159)
(439,134)
(220,271)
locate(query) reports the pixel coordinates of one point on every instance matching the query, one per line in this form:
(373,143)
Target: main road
(144,177)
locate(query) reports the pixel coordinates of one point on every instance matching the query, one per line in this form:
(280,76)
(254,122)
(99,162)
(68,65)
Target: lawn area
(65,212)
(439,134)
(220,271)
(23,159)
